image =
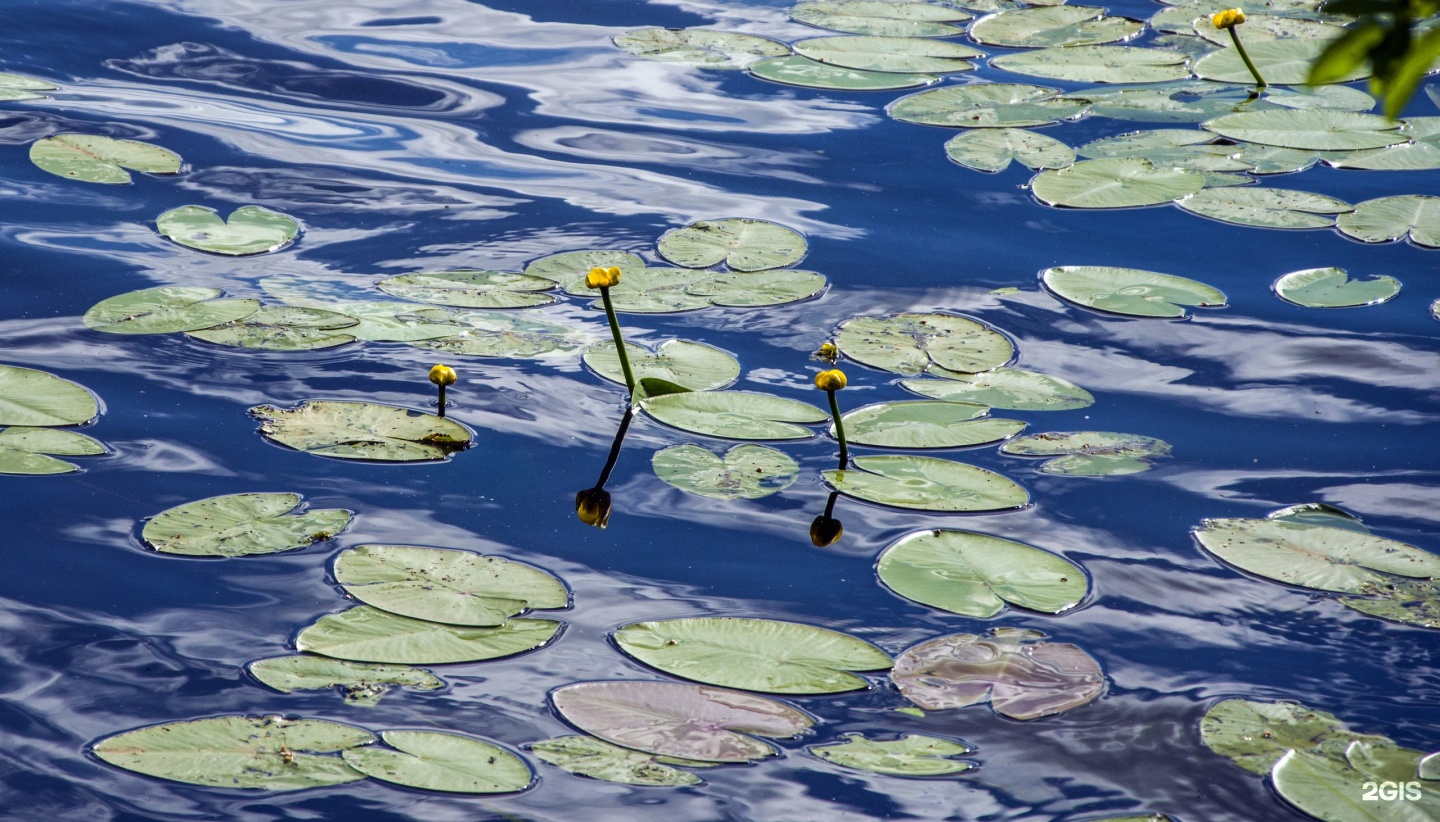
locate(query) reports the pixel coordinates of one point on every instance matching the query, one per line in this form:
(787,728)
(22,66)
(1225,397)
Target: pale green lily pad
(38,398)
(235,525)
(910,755)
(1185,101)
(976,575)
(499,334)
(1170,147)
(1089,453)
(569,266)
(700,47)
(471,288)
(1333,288)
(905,55)
(742,244)
(1340,98)
(362,431)
(1314,129)
(1386,219)
(1411,602)
(1098,64)
(926,424)
(910,343)
(1266,207)
(748,289)
(882,18)
(1225,179)
(17,87)
(1012,389)
(648,291)
(443,585)
(1336,792)
(1129,291)
(739,415)
(1313,556)
(166,310)
(1124,183)
(437,761)
(753,654)
(927,484)
(1053,26)
(795,70)
(993,149)
(249,230)
(1259,28)
(95,159)
(1255,735)
(745,472)
(1423,155)
(1318,513)
(32,451)
(362,683)
(1281,63)
(598,759)
(1275,160)
(366,634)
(283,328)
(987,105)
(268,753)
(692,365)
(389,321)
(1022,677)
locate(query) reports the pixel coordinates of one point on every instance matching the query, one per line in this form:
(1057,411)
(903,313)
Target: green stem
(1244,55)
(442,400)
(839,429)
(619,340)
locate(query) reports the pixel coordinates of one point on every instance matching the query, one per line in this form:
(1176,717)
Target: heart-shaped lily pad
(1099,64)
(471,288)
(906,55)
(993,149)
(38,398)
(1047,26)
(362,683)
(95,159)
(1314,556)
(976,575)
(499,334)
(1281,62)
(283,328)
(878,17)
(745,472)
(693,365)
(1266,207)
(753,654)
(166,310)
(362,431)
(366,634)
(910,755)
(1314,130)
(736,415)
(927,484)
(32,451)
(910,343)
(1386,219)
(598,759)
(802,71)
(249,230)
(700,47)
(926,424)
(1012,389)
(1126,183)
(235,525)
(16,87)
(742,244)
(1333,288)
(436,761)
(1129,291)
(987,105)
(1089,453)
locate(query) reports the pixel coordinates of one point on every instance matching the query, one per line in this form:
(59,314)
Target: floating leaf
(1341,98)
(1098,64)
(802,71)
(693,365)
(283,328)
(1280,62)
(389,321)
(907,756)
(1053,26)
(926,424)
(1275,160)
(1412,602)
(1266,207)
(1172,147)
(1262,27)
(1313,556)
(597,759)
(987,105)
(362,431)
(270,753)
(436,761)
(1394,218)
(32,451)
(1332,790)
(742,244)
(1223,179)
(95,159)
(498,334)
(363,683)
(693,722)
(994,149)
(909,343)
(568,266)
(166,310)
(1129,291)
(250,229)
(442,585)
(1423,155)
(882,18)
(753,654)
(1022,678)
(1255,735)
(737,415)
(1333,288)
(649,291)
(907,55)
(1089,453)
(927,484)
(745,472)
(366,634)
(235,525)
(1115,184)
(471,288)
(1318,513)
(16,87)
(976,575)
(1316,130)
(700,47)
(1012,389)
(39,398)
(747,289)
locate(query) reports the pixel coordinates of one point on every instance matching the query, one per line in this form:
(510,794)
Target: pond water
(437,134)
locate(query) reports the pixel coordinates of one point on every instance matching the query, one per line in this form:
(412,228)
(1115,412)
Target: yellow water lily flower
(825,531)
(1227,19)
(832,380)
(829,352)
(603,277)
(442,375)
(593,507)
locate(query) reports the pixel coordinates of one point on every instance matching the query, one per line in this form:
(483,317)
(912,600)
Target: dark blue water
(440,133)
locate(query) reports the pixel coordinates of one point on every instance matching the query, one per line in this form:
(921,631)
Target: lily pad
(1126,183)
(1333,288)
(1184,101)
(802,71)
(32,451)
(1332,790)
(363,683)
(674,719)
(926,424)
(693,365)
(1314,129)
(906,55)
(977,575)
(1275,160)
(910,755)
(249,230)
(700,47)
(166,310)
(268,753)
(1318,513)
(927,484)
(748,289)
(570,266)
(1099,64)
(1171,147)
(987,105)
(1089,453)
(390,321)
(442,585)
(1423,155)
(649,291)
(753,654)
(1411,602)
(1129,291)
(598,759)
(994,149)
(736,415)
(283,328)
(95,159)
(38,398)
(1386,219)
(16,87)
(745,472)
(471,288)
(1013,389)
(910,343)
(742,244)
(1313,556)
(362,431)
(1022,678)
(905,19)
(1260,27)
(1053,26)
(1256,735)
(498,334)
(1281,63)
(366,634)
(235,525)
(436,761)
(1266,207)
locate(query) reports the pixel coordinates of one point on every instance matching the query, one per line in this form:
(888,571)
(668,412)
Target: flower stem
(1244,55)
(442,401)
(619,340)
(839,429)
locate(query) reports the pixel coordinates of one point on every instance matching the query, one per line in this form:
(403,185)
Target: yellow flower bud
(593,507)
(442,375)
(1227,19)
(602,277)
(832,380)
(828,352)
(825,531)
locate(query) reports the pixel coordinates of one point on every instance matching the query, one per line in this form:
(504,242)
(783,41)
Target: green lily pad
(649,291)
(1281,63)
(362,431)
(366,634)
(977,575)
(994,149)
(1013,389)
(674,719)
(1022,677)
(1266,207)
(1184,101)
(742,244)
(1313,556)
(927,484)
(442,585)
(1099,64)
(598,759)
(700,47)
(32,451)
(877,17)
(1171,147)
(166,310)
(498,334)
(693,365)
(907,756)
(390,321)
(910,343)
(802,71)
(753,654)
(1275,160)
(987,105)
(1053,26)
(235,525)
(748,289)
(363,683)
(38,398)
(436,761)
(1333,288)
(1256,735)
(1089,453)
(16,87)
(1422,155)
(925,424)
(745,472)
(1129,291)
(1411,602)
(250,230)
(1340,98)
(1334,791)
(268,753)
(1386,219)
(1314,130)
(95,159)
(1261,27)
(736,415)
(905,55)
(1225,179)
(569,266)
(283,328)
(471,288)
(1124,183)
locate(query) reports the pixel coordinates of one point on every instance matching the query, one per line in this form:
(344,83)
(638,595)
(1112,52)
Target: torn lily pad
(362,431)
(1013,389)
(17,87)
(692,365)
(95,159)
(1089,453)
(906,55)
(1386,219)
(361,683)
(1314,556)
(995,148)
(1099,64)
(439,761)
(1048,26)
(283,328)
(910,755)
(166,310)
(926,424)
(366,634)
(1312,130)
(500,334)
(1265,207)
(976,575)
(742,244)
(987,105)
(906,19)
(700,47)
(738,415)
(38,398)
(235,525)
(598,759)
(471,288)
(910,343)
(249,230)
(1333,288)
(802,71)
(1125,183)
(1129,291)
(927,484)
(33,451)
(744,472)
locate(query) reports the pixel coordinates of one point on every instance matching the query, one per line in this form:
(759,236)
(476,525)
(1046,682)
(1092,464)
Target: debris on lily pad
(693,365)
(362,683)
(910,755)
(1314,556)
(744,472)
(471,288)
(283,328)
(248,230)
(96,159)
(742,244)
(1333,288)
(166,310)
(1012,389)
(442,761)
(367,634)
(700,47)
(739,415)
(993,149)
(362,431)
(926,424)
(927,484)
(909,344)
(33,451)
(598,759)
(33,398)
(1089,453)
(976,575)
(236,525)
(1131,292)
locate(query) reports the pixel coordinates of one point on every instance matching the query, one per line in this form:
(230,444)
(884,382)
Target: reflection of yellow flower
(825,531)
(1227,19)
(602,277)
(442,375)
(832,380)
(828,352)
(593,507)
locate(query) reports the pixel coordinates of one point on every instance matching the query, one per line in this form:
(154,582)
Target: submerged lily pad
(994,149)
(700,47)
(498,334)
(436,761)
(38,398)
(1129,291)
(1386,219)
(1266,207)
(1089,453)
(32,451)
(742,244)
(909,343)
(737,415)
(905,19)
(95,159)
(166,310)
(366,634)
(692,365)
(987,105)
(753,654)
(1411,602)
(745,472)
(16,87)
(1099,64)
(674,719)
(361,431)
(268,753)
(471,288)
(249,230)
(906,55)
(910,755)
(598,759)
(802,71)
(363,683)
(926,424)
(977,575)
(283,328)
(1333,288)
(1281,63)
(1125,183)
(1314,130)
(927,484)
(1053,26)
(1314,556)
(234,525)
(1021,677)
(1013,389)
